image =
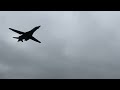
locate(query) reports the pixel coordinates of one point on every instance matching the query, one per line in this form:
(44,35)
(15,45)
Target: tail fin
(16,37)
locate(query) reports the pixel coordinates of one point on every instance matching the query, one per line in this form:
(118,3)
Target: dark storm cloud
(74,45)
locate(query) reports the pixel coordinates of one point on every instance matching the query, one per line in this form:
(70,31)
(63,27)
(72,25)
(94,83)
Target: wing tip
(10,28)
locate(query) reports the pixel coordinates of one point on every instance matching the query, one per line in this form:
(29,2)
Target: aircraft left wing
(35,39)
(19,32)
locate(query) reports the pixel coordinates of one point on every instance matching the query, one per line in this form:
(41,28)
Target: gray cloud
(74,45)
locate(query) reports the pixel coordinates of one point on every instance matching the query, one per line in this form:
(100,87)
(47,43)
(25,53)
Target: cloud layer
(74,45)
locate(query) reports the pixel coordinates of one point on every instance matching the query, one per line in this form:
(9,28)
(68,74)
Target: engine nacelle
(26,39)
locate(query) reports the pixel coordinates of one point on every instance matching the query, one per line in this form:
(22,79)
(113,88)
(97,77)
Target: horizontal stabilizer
(16,37)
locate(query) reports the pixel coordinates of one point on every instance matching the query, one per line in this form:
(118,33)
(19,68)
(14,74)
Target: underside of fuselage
(23,37)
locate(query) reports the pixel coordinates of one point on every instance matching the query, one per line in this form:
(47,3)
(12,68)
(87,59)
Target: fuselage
(26,36)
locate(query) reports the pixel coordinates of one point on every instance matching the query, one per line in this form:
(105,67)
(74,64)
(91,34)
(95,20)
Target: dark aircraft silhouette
(26,35)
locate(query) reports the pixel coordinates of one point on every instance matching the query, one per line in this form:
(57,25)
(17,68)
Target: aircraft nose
(39,26)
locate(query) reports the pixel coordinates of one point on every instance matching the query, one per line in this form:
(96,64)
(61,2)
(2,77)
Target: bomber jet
(26,35)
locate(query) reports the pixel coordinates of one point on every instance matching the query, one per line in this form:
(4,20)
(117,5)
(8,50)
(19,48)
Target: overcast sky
(75,45)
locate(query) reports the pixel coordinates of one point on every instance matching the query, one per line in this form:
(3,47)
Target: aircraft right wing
(35,39)
(19,32)
(35,28)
